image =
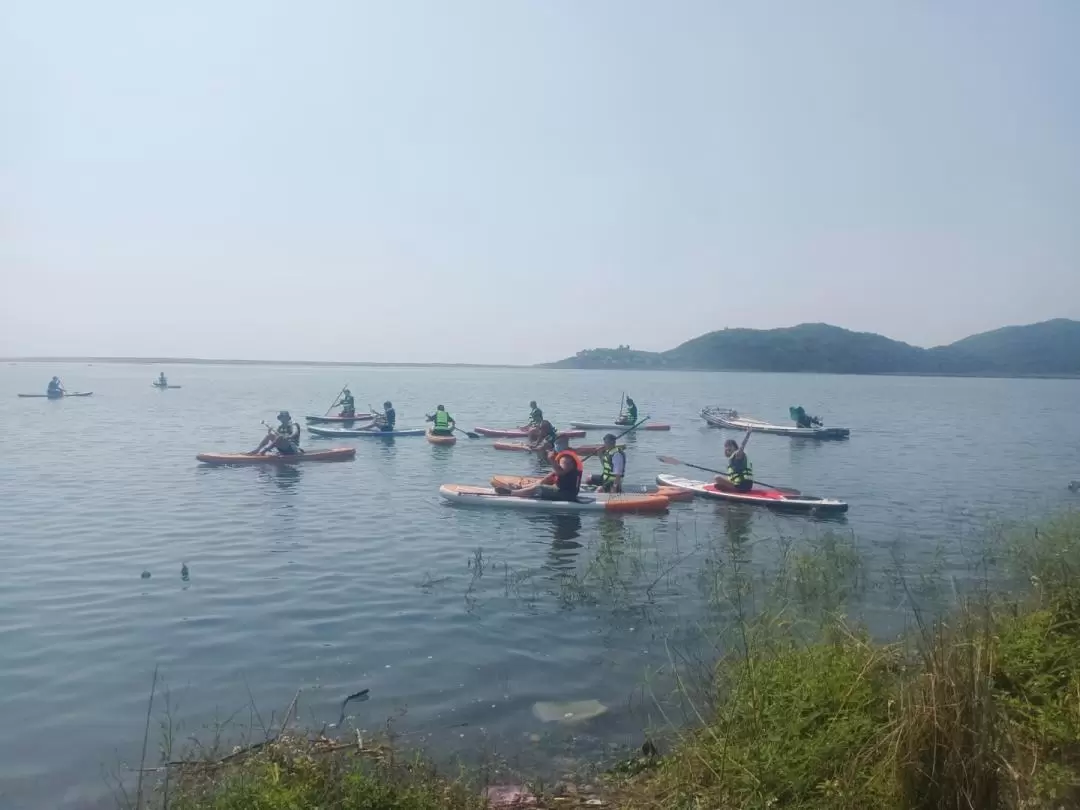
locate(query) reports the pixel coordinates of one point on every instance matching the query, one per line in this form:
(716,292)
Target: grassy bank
(979,708)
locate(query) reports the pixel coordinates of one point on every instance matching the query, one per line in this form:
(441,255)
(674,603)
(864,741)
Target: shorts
(286,448)
(743,486)
(386,428)
(550,493)
(442,432)
(597,480)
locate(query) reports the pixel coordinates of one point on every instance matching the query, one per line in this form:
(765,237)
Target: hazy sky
(510,181)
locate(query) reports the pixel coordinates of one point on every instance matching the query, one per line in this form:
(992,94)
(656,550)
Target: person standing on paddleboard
(612,466)
(536,416)
(740,472)
(285,438)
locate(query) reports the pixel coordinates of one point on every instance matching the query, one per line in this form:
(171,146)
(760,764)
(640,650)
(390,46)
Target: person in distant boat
(162,381)
(285,438)
(348,404)
(612,466)
(802,418)
(563,484)
(630,417)
(56,388)
(443,423)
(536,416)
(543,438)
(386,420)
(740,472)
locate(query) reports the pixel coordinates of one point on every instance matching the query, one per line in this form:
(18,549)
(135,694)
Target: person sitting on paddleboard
(536,416)
(443,423)
(55,389)
(348,404)
(740,472)
(162,381)
(630,417)
(387,419)
(563,484)
(285,438)
(612,466)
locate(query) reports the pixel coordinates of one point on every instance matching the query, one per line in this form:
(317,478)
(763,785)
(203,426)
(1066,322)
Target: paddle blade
(669,459)
(472,435)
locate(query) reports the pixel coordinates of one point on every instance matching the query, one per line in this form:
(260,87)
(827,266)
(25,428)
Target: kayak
(347,432)
(443,440)
(613,426)
(519,481)
(523,447)
(487,497)
(517,433)
(724,418)
(62,396)
(330,420)
(163,387)
(334,454)
(760,495)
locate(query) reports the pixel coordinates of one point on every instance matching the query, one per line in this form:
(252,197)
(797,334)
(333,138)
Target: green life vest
(740,470)
(442,420)
(607,465)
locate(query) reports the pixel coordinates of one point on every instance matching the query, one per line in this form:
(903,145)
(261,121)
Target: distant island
(1047,349)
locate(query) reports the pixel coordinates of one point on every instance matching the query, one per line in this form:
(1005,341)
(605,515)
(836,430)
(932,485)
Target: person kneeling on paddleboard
(630,417)
(348,404)
(740,472)
(55,389)
(562,485)
(161,381)
(285,438)
(443,423)
(612,466)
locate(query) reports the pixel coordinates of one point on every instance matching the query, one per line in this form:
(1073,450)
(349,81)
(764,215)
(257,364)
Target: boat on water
(487,497)
(727,418)
(338,419)
(236,459)
(64,395)
(521,433)
(340,433)
(613,426)
(759,495)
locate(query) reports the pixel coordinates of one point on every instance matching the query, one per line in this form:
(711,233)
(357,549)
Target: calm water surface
(338,577)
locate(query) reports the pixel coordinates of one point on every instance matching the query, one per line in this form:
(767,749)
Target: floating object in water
(760,495)
(333,454)
(361,433)
(724,418)
(184,575)
(145,575)
(465,495)
(572,711)
(1074,486)
(520,433)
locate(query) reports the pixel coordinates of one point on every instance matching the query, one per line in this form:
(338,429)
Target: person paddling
(740,472)
(285,438)
(630,417)
(55,389)
(443,423)
(161,381)
(543,438)
(563,484)
(612,466)
(347,403)
(386,420)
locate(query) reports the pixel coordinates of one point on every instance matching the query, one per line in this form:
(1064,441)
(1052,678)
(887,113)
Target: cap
(610,437)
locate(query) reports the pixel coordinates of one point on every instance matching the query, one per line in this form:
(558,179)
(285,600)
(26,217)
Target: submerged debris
(572,711)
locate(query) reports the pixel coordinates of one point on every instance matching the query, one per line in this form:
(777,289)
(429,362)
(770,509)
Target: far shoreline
(201,361)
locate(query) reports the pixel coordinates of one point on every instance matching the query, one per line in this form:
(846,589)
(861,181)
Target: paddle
(338,397)
(673,460)
(468,433)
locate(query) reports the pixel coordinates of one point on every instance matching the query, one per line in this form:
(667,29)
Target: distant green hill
(1049,348)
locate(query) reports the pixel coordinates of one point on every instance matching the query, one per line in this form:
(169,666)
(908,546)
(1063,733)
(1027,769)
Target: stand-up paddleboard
(759,495)
(486,497)
(333,454)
